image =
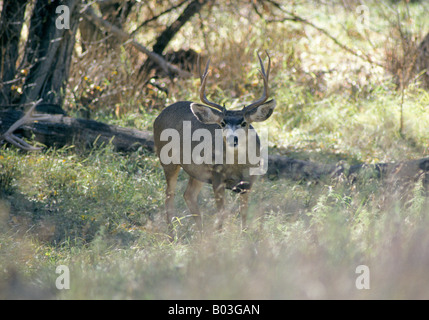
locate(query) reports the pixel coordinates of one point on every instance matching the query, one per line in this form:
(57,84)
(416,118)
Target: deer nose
(242,187)
(235,141)
(232,140)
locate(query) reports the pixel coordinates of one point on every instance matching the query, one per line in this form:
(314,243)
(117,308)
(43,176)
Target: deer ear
(261,113)
(206,114)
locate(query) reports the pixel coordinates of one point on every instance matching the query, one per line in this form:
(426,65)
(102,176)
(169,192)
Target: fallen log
(61,130)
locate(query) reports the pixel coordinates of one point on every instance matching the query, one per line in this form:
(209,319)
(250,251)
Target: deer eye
(223,124)
(243,124)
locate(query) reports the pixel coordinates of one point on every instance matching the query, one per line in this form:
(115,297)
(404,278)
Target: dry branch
(59,130)
(158,16)
(168,68)
(296,18)
(29,117)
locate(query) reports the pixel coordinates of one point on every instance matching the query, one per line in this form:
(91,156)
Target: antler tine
(265,78)
(199,68)
(27,118)
(202,75)
(203,78)
(269,64)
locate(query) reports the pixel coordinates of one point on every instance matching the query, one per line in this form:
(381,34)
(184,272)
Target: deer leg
(191,199)
(219,193)
(244,201)
(171,173)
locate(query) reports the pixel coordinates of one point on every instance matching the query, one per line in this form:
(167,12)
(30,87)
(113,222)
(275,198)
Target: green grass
(101,213)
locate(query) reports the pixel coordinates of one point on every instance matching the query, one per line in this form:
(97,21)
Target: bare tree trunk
(11,21)
(48,52)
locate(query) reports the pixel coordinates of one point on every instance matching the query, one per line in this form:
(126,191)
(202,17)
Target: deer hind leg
(191,198)
(171,173)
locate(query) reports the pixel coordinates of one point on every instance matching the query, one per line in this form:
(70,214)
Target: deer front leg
(219,193)
(244,203)
(171,174)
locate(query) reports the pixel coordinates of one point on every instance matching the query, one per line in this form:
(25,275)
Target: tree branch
(168,68)
(157,16)
(295,18)
(29,117)
(165,37)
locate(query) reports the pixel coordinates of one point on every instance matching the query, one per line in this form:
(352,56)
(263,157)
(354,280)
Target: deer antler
(265,77)
(203,78)
(27,118)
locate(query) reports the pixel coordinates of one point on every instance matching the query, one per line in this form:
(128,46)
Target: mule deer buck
(209,121)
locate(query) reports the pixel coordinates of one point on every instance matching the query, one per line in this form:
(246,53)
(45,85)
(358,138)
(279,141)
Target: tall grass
(304,240)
